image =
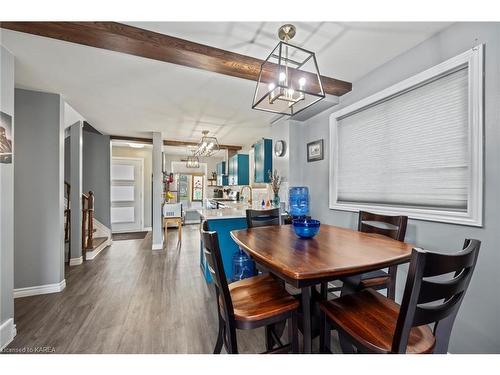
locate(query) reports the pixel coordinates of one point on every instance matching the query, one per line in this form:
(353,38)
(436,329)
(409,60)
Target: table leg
(306,318)
(179,224)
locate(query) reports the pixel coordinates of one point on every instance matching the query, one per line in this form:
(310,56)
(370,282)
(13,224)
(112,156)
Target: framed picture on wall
(5,138)
(197,188)
(315,150)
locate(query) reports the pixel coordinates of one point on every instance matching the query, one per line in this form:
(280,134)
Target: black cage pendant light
(289,79)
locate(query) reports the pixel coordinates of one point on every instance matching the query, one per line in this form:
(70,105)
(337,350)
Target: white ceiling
(127,95)
(344,50)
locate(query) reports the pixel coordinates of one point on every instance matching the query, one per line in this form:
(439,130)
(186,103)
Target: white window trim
(474,216)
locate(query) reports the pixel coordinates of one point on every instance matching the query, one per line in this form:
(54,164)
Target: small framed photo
(315,150)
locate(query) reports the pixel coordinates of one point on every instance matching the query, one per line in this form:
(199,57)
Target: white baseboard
(90,255)
(7,333)
(39,289)
(76,261)
(147,229)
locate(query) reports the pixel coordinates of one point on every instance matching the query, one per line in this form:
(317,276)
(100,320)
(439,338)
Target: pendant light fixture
(289,79)
(193,161)
(207,145)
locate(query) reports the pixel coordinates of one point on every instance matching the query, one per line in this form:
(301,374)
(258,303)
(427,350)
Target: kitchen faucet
(250,188)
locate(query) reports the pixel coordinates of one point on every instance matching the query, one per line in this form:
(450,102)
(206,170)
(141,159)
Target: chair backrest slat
(396,228)
(216,269)
(446,295)
(261,218)
(440,264)
(431,314)
(436,290)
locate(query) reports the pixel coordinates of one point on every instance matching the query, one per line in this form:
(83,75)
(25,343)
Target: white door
(126,194)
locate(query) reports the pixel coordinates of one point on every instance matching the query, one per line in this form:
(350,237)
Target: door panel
(126,194)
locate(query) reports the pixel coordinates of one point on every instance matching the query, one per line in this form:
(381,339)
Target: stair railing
(87,221)
(67,211)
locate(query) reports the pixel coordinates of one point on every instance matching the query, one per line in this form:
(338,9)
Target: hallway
(129,300)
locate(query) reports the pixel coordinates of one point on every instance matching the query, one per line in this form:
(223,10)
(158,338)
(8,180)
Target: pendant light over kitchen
(207,146)
(289,79)
(192,161)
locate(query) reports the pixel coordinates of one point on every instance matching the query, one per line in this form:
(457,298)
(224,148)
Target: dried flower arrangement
(276,181)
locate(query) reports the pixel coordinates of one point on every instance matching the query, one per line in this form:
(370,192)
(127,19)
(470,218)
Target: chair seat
(260,297)
(375,279)
(370,319)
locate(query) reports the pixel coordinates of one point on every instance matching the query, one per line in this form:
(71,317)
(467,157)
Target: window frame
(473,59)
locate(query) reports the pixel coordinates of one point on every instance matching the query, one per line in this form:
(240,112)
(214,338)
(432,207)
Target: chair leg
(345,345)
(269,338)
(220,338)
(231,345)
(293,333)
(324,334)
(391,287)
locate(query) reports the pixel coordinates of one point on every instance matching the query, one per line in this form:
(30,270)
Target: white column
(157,191)
(76,145)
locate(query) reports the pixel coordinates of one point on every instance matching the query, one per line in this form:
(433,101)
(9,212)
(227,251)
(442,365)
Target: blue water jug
(243,266)
(298,201)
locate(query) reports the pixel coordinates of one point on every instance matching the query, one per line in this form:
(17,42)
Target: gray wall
(288,164)
(477,329)
(6,194)
(38,186)
(96,173)
(146,154)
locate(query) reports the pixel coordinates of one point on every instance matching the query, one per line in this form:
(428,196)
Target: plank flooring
(129,299)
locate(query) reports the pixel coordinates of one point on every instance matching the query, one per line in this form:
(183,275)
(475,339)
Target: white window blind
(416,147)
(409,150)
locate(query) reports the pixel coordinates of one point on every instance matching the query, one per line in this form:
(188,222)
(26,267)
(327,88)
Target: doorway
(127,210)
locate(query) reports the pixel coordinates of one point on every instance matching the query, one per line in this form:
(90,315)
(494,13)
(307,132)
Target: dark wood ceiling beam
(168,142)
(139,42)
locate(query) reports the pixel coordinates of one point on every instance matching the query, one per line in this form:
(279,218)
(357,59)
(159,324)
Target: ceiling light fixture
(193,161)
(207,145)
(289,79)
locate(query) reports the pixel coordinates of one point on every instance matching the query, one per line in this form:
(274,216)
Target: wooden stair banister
(67,211)
(87,222)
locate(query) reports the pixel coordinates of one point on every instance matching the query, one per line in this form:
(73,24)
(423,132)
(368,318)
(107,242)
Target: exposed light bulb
(282,77)
(302,82)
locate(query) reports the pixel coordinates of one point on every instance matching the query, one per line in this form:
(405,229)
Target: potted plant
(276,181)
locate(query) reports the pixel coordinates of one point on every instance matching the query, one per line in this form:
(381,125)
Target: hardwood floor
(129,299)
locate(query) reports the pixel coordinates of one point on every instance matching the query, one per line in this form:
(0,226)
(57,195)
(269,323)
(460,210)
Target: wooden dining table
(304,263)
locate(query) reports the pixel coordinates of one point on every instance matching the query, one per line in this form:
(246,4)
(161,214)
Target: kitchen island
(223,221)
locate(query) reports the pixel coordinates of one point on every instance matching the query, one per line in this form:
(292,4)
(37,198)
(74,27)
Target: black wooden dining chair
(261,218)
(390,226)
(373,323)
(259,301)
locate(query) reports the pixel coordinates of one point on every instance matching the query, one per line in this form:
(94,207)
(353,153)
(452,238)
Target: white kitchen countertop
(236,211)
(223,213)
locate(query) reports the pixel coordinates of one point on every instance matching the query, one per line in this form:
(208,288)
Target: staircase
(95,236)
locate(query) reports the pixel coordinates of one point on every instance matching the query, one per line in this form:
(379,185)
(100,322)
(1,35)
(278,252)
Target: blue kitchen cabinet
(228,247)
(239,170)
(222,179)
(263,160)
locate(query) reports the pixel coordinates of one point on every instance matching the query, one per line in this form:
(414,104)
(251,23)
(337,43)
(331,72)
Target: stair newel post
(91,220)
(84,220)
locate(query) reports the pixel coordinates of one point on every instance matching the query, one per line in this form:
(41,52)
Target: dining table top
(334,252)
